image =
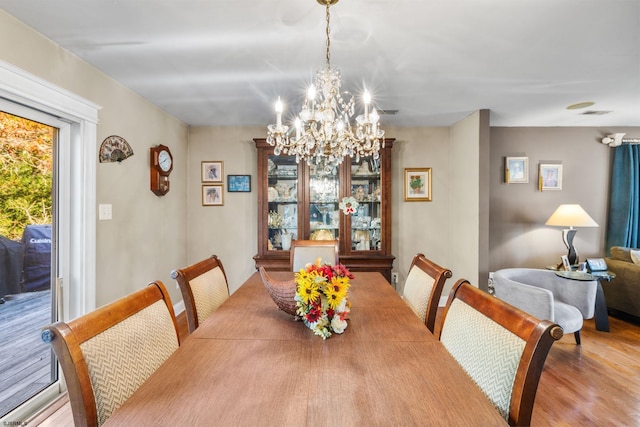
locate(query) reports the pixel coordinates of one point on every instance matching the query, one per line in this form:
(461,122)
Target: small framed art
(212,195)
(212,171)
(239,183)
(549,176)
(417,184)
(516,170)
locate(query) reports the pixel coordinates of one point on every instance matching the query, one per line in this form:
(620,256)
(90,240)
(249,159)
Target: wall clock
(161,166)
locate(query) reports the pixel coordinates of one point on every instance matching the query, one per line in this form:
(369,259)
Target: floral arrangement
(322,297)
(348,205)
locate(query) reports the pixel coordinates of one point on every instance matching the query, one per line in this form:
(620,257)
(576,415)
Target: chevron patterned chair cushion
(417,289)
(121,358)
(204,288)
(423,288)
(209,292)
(499,346)
(489,353)
(108,353)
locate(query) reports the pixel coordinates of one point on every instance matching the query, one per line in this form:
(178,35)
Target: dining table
(251,364)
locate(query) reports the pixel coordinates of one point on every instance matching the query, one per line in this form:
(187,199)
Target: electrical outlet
(104,212)
(394,277)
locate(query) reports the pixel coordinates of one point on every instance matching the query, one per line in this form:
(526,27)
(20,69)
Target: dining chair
(545,295)
(108,353)
(423,288)
(502,348)
(204,288)
(307,251)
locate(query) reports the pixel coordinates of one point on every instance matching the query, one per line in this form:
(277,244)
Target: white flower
(338,325)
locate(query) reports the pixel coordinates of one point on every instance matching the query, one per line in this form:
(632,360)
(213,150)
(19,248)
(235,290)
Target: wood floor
(595,384)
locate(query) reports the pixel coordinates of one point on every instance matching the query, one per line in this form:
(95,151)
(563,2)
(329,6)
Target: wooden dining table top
(250,364)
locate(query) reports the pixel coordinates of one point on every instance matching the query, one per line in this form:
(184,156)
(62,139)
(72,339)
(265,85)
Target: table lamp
(570,216)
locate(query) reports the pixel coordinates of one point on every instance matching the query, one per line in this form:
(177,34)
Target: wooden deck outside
(25,361)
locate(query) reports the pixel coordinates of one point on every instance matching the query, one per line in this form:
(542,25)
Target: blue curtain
(623,228)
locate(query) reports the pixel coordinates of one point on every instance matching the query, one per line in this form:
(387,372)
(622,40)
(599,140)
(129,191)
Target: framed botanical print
(417,184)
(212,171)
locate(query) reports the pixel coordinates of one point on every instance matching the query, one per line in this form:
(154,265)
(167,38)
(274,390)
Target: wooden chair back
(502,348)
(307,251)
(423,288)
(204,288)
(107,354)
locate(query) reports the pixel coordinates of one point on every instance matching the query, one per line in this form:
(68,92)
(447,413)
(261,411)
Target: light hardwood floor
(595,384)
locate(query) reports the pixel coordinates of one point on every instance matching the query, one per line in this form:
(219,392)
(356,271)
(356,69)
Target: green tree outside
(26,165)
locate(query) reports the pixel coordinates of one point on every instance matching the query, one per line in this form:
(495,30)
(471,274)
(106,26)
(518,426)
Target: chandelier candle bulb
(279,112)
(367,100)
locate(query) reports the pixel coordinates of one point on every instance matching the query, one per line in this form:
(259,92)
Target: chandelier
(324,134)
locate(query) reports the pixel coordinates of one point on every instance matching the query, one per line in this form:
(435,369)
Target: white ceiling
(224,62)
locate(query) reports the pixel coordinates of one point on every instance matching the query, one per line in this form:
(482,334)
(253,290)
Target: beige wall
(147,236)
(229,231)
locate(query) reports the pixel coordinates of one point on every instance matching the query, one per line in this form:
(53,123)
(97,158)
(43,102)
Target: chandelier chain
(328,32)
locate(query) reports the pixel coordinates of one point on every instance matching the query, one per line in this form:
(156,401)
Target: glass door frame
(74,250)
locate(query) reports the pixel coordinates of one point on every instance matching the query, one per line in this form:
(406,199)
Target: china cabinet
(297,201)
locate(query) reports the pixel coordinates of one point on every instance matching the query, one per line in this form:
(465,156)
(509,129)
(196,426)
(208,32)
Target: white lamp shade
(571,216)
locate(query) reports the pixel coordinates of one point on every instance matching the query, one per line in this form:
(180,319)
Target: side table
(601,315)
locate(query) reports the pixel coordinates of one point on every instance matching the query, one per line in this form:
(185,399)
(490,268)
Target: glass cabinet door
(366,188)
(324,213)
(282,199)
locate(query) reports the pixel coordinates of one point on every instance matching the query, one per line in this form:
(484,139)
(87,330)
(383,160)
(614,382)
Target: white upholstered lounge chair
(545,295)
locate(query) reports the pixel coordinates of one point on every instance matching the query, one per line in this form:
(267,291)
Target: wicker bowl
(281,292)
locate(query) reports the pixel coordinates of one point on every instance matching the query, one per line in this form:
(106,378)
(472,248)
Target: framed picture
(565,263)
(417,184)
(212,171)
(516,170)
(550,176)
(212,195)
(239,183)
